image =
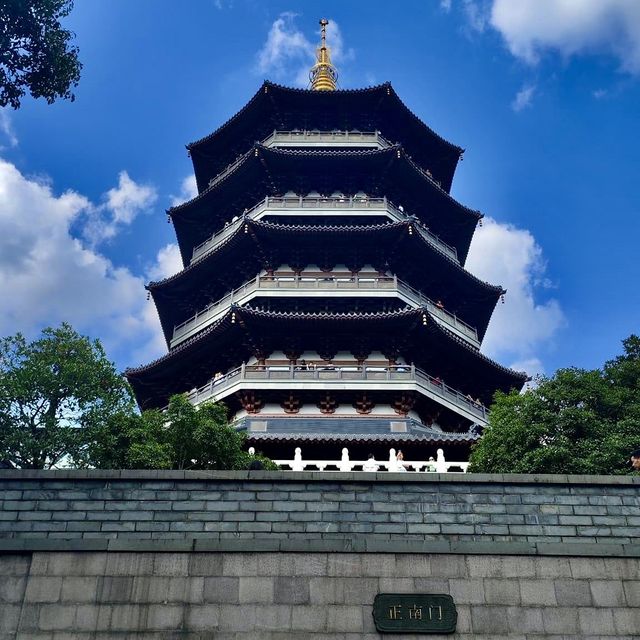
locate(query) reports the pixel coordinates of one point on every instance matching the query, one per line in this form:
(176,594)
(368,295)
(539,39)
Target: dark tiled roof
(272,171)
(344,428)
(275,106)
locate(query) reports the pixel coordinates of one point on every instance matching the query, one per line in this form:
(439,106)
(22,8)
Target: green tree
(35,51)
(575,421)
(53,392)
(182,437)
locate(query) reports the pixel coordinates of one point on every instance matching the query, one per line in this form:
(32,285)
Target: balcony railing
(354,204)
(302,138)
(333,282)
(327,138)
(392,465)
(324,375)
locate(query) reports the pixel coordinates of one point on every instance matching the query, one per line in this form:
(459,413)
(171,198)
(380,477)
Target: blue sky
(543,96)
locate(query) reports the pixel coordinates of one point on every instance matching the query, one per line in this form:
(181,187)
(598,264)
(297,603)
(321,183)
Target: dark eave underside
(243,332)
(273,172)
(257,244)
(283,108)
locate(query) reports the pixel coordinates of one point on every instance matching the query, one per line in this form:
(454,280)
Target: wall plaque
(414,613)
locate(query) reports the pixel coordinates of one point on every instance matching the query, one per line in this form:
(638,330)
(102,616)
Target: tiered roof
(278,146)
(243,331)
(285,108)
(268,171)
(256,245)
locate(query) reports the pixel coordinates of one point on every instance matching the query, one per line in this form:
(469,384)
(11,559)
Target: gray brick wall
(538,510)
(322,596)
(164,555)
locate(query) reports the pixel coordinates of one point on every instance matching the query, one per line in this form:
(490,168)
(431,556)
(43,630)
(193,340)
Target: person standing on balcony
(370,464)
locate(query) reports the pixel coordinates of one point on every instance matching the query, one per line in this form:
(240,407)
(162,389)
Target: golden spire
(323,75)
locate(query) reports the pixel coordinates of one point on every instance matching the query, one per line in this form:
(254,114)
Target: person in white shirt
(370,464)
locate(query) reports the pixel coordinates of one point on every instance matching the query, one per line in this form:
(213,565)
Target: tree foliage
(182,437)
(575,421)
(35,51)
(53,392)
(62,400)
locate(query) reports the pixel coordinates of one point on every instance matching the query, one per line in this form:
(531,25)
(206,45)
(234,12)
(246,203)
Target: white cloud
(128,198)
(598,94)
(533,366)
(335,41)
(6,127)
(523,98)
(476,14)
(168,262)
(286,46)
(121,206)
(503,254)
(48,276)
(571,27)
(445,5)
(188,190)
(289,55)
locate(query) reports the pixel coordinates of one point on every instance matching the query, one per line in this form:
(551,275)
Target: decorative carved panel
(404,403)
(291,404)
(327,404)
(250,401)
(363,405)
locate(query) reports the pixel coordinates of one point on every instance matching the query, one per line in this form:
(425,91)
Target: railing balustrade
(392,465)
(306,137)
(339,138)
(332,281)
(328,373)
(279,203)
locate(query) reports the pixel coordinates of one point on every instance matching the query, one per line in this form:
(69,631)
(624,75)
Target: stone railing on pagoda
(330,284)
(332,205)
(349,139)
(325,376)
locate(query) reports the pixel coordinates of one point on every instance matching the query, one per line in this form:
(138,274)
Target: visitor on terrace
(370,464)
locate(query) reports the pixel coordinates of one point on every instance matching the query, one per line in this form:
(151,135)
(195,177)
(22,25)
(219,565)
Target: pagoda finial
(323,75)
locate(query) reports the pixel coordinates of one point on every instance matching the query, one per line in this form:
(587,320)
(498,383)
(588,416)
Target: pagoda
(324,297)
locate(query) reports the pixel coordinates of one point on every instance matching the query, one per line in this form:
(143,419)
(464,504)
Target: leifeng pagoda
(324,297)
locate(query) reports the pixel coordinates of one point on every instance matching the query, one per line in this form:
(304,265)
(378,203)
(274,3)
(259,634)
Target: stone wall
(536,510)
(321,596)
(281,556)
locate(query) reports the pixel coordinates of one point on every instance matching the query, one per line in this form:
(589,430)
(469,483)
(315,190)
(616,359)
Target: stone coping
(316,476)
(346,544)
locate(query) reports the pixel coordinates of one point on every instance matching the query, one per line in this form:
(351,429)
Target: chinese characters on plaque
(415,613)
